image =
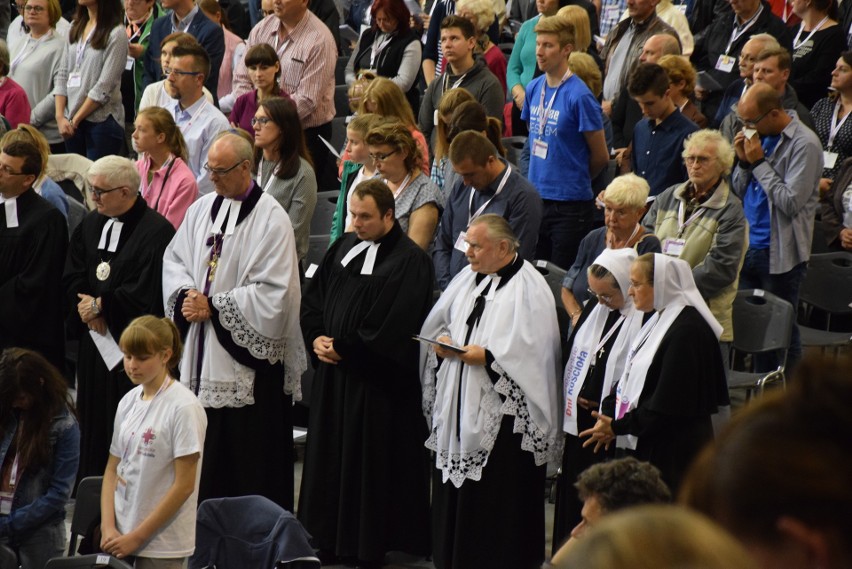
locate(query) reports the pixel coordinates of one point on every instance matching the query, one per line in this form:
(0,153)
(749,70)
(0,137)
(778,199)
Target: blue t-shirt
(564,174)
(756,204)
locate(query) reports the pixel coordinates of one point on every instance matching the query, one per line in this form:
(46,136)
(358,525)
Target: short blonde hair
(710,137)
(482,10)
(558,25)
(678,68)
(584,66)
(628,190)
(582,28)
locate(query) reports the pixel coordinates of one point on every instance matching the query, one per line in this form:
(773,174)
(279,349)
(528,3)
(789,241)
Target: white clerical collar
(10,205)
(369,261)
(234,207)
(112,228)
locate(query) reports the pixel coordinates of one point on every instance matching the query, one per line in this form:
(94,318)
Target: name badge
(75,80)
(539,149)
(726,63)
(461,244)
(829,159)
(673,247)
(6,503)
(130,63)
(121,488)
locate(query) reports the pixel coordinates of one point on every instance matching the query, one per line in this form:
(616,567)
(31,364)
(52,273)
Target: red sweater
(14,104)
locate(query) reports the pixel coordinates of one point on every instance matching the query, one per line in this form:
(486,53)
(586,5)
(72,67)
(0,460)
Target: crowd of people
(665,157)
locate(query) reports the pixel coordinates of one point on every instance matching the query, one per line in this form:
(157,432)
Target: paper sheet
(111,354)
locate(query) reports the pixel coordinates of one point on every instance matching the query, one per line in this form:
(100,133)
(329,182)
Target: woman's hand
(519,95)
(601,434)
(108,534)
(66,129)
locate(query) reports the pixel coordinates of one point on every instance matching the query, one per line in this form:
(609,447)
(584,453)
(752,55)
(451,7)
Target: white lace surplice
(256,291)
(519,328)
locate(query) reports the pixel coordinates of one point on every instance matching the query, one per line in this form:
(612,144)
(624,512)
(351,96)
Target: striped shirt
(308,58)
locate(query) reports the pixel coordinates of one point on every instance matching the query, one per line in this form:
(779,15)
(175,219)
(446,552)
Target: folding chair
(827,288)
(317,245)
(553,274)
(324,212)
(8,558)
(763,324)
(87,509)
(87,562)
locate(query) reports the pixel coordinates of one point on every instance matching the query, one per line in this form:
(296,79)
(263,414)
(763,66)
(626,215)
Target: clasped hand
(195,307)
(324,349)
(87,314)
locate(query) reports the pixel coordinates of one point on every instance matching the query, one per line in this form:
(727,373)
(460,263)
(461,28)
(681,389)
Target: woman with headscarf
(674,378)
(597,351)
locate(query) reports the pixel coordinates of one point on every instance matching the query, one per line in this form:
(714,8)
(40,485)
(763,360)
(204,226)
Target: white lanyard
(377,49)
(478,212)
(268,184)
(192,118)
(545,112)
(166,383)
(13,475)
(81,48)
(605,339)
(283,47)
(24,53)
(835,127)
(402,186)
(456,83)
(681,212)
(796,43)
(735,35)
(629,239)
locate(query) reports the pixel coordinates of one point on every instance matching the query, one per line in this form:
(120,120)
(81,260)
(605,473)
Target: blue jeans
(755,274)
(97,139)
(563,226)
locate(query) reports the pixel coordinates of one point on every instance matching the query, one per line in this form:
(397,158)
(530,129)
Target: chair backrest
(317,246)
(323,213)
(762,321)
(87,508)
(86,562)
(828,283)
(8,558)
(340,70)
(514,146)
(341,100)
(553,274)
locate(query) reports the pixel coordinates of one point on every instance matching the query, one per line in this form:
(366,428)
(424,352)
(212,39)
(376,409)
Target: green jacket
(138,66)
(338,220)
(716,242)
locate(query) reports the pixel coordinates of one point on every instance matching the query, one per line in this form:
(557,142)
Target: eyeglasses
(98,192)
(262,121)
(220,171)
(606,298)
(382,157)
(36,9)
(169,71)
(701,160)
(635,285)
(753,123)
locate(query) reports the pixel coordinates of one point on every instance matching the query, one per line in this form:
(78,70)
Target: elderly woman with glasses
(398,159)
(624,206)
(597,352)
(284,166)
(112,275)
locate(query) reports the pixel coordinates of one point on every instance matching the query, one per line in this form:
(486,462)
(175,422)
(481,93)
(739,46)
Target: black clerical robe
(365,484)
(32,256)
(133,288)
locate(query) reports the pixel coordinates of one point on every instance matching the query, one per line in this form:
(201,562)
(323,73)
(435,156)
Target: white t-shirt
(148,436)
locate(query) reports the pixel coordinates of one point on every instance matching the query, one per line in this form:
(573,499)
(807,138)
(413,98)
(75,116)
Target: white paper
(108,348)
(299,434)
(330,147)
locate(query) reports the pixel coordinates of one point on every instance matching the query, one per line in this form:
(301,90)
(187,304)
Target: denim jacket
(41,495)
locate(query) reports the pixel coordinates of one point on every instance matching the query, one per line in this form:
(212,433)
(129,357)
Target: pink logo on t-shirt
(148,436)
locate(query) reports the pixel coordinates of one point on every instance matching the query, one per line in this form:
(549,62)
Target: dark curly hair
(622,483)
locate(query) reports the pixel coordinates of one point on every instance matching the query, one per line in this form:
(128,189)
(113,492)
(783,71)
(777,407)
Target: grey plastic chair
(763,323)
(324,212)
(317,246)
(553,274)
(827,287)
(87,509)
